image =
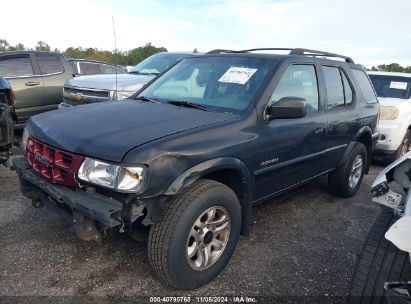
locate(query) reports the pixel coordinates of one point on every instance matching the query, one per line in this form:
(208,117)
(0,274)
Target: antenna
(115,51)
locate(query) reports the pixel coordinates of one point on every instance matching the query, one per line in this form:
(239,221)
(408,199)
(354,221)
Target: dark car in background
(37,80)
(6,120)
(92,67)
(98,88)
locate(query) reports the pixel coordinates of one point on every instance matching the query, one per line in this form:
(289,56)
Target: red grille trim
(53,164)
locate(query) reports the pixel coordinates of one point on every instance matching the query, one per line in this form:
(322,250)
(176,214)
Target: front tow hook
(37,202)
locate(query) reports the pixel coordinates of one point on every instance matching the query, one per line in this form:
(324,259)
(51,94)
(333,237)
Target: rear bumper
(65,201)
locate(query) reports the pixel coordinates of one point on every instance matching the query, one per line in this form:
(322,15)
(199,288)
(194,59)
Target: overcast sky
(370,31)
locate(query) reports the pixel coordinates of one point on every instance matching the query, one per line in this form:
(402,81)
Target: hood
(108,81)
(109,130)
(393,102)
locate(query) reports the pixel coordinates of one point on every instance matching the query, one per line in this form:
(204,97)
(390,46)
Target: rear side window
(339,91)
(365,86)
(334,86)
(87,68)
(16,66)
(50,64)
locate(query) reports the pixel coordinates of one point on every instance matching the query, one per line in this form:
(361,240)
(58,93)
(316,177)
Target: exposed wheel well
(236,182)
(230,178)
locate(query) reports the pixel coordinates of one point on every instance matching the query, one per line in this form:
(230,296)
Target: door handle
(318,130)
(32,83)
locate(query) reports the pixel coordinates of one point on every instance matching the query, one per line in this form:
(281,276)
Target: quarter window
(50,64)
(16,66)
(365,86)
(299,80)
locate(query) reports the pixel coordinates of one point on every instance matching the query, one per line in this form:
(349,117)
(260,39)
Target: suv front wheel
(196,236)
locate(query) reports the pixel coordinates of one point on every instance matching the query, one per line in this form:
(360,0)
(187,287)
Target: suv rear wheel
(196,236)
(346,180)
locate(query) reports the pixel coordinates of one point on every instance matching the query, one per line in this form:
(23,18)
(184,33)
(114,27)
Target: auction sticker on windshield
(237,75)
(398,85)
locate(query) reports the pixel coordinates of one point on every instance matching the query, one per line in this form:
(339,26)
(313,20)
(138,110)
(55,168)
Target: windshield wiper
(187,104)
(145,98)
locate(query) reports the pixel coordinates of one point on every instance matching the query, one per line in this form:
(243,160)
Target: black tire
(380,262)
(338,180)
(167,243)
(404,147)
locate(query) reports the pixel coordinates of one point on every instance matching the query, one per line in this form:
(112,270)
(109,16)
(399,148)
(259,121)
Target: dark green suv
(37,79)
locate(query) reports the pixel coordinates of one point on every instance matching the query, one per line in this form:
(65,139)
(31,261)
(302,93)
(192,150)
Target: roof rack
(293,51)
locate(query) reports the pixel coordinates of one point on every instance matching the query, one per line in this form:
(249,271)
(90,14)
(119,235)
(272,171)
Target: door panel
(342,118)
(291,150)
(54,76)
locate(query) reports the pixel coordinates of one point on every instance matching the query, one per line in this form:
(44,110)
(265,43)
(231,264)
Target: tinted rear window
(50,64)
(16,66)
(365,86)
(392,86)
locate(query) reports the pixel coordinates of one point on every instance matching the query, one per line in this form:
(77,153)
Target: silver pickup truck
(98,88)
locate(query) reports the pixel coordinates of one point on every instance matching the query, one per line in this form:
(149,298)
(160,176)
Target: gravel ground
(303,244)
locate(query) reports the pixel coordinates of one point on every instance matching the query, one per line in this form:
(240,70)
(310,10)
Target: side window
(347,89)
(88,68)
(298,80)
(334,86)
(50,64)
(16,66)
(108,69)
(365,86)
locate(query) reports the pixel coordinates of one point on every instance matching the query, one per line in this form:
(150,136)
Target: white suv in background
(393,91)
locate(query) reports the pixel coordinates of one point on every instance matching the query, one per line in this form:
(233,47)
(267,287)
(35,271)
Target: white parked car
(393,91)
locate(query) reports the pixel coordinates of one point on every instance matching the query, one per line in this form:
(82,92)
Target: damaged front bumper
(82,209)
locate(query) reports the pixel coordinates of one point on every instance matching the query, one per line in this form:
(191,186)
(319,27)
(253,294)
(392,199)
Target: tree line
(131,57)
(134,56)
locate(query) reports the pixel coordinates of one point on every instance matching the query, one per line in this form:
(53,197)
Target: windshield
(219,83)
(157,63)
(391,86)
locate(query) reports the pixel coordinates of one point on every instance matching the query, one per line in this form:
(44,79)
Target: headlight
(388,113)
(124,179)
(24,139)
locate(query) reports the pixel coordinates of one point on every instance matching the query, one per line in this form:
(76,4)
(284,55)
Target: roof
(29,52)
(389,73)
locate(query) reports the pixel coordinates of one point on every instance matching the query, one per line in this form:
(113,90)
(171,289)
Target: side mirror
(288,107)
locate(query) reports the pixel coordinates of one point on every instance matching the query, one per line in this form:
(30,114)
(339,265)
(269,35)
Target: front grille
(53,164)
(92,93)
